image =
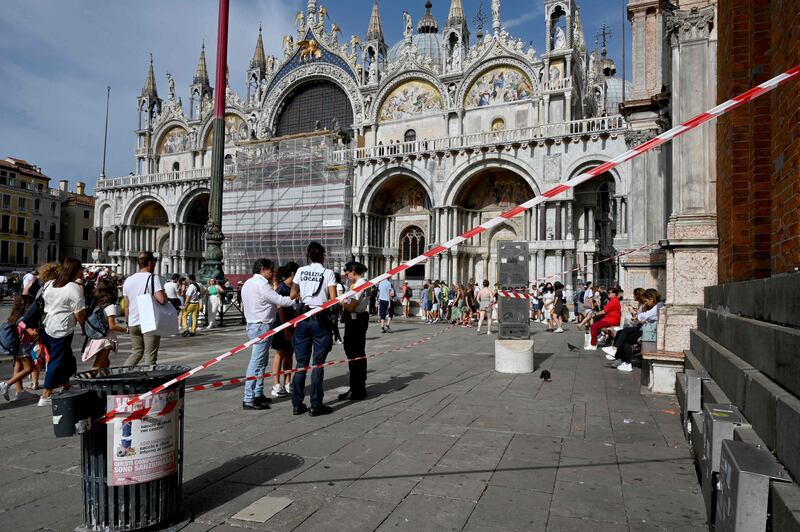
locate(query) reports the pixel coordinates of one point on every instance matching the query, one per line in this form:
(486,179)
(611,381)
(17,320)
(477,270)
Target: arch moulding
(467,170)
(137,203)
(185,202)
(395,81)
(367,194)
(304,74)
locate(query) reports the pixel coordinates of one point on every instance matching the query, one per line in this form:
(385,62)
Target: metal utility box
(513,315)
(745,472)
(694,389)
(719,422)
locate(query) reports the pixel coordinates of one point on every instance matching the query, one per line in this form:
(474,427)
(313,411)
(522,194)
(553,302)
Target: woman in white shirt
(64,307)
(356,322)
(100,348)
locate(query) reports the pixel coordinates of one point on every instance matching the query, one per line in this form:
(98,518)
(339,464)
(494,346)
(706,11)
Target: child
(100,348)
(23,362)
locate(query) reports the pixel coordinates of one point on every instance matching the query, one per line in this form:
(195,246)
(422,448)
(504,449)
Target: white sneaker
(610,350)
(278,391)
(559,330)
(288,389)
(45,401)
(610,357)
(25,395)
(590,347)
(626,367)
(4,391)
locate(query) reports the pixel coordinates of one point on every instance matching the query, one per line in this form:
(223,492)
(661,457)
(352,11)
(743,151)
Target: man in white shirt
(172,290)
(259,304)
(191,308)
(385,296)
(142,345)
(314,285)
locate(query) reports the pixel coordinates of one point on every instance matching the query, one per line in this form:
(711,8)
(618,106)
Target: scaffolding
(284,194)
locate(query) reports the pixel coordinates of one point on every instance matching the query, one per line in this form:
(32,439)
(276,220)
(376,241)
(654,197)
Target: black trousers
(355,346)
(624,341)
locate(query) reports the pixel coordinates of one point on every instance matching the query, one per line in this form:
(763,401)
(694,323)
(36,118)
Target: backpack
(34,316)
(9,340)
(96,326)
(409,293)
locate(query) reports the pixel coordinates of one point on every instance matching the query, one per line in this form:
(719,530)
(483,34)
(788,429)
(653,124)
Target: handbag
(155,318)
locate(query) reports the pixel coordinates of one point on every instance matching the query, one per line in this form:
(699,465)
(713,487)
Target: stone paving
(443,443)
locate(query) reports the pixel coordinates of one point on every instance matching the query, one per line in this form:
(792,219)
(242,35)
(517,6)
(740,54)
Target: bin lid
(130,374)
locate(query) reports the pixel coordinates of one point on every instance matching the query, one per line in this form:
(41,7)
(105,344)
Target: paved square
(442,443)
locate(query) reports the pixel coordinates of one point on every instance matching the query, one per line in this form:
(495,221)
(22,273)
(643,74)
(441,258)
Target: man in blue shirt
(385,297)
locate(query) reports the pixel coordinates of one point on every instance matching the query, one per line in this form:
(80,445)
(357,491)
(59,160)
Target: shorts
(406,302)
(435,307)
(428,305)
(176,303)
(383,309)
(588,312)
(540,306)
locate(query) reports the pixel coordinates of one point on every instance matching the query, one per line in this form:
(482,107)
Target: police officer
(314,285)
(356,321)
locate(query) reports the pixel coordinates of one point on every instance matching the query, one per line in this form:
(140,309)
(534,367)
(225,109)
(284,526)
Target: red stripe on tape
(700,119)
(555,191)
(434,251)
(513,212)
(474,231)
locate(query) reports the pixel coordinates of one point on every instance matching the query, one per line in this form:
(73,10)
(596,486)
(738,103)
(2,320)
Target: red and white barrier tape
(142,412)
(656,141)
(525,295)
(220,384)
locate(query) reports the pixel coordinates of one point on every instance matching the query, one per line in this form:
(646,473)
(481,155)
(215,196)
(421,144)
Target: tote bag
(154,318)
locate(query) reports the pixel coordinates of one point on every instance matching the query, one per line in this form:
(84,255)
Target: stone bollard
(513,356)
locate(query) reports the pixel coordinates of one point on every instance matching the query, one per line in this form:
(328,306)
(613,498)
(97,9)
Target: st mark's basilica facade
(421,140)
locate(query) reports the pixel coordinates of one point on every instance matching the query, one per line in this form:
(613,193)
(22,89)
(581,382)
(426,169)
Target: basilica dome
(427,40)
(428,44)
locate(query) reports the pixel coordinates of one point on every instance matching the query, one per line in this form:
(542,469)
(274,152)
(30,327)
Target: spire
(456,15)
(428,24)
(375,31)
(201,74)
(259,58)
(149,90)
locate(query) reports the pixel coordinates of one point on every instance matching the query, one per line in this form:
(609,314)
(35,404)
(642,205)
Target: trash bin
(133,466)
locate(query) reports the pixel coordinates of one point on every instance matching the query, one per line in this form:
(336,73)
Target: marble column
(569,223)
(540,260)
(692,242)
(558,229)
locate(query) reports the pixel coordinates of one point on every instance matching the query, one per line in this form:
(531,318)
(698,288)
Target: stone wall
(758,149)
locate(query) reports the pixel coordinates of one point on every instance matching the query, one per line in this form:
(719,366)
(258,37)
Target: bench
(659,366)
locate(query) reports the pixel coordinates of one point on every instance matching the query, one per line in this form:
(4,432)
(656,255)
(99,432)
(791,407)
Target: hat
(405,282)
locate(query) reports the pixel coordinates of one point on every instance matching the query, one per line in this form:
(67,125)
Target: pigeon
(545,376)
(572,347)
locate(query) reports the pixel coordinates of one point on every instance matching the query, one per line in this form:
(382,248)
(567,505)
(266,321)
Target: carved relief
(692,25)
(637,137)
(552,168)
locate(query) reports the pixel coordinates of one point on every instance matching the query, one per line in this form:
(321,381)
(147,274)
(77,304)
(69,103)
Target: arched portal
(191,228)
(597,214)
(481,197)
(397,225)
(150,225)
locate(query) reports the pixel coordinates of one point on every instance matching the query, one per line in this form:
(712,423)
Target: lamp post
(212,257)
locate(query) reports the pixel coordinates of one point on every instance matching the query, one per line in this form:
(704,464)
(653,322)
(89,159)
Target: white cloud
(534,13)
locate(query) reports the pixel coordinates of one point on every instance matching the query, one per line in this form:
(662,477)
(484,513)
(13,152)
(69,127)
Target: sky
(58,56)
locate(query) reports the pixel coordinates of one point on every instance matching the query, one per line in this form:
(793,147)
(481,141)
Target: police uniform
(355,343)
(312,336)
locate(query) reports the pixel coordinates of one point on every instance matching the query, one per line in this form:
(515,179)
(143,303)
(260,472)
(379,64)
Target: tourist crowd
(52,302)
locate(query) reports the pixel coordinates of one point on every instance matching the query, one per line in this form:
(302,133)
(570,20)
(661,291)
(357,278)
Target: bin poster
(141,450)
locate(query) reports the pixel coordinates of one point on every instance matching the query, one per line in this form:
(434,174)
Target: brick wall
(758,145)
